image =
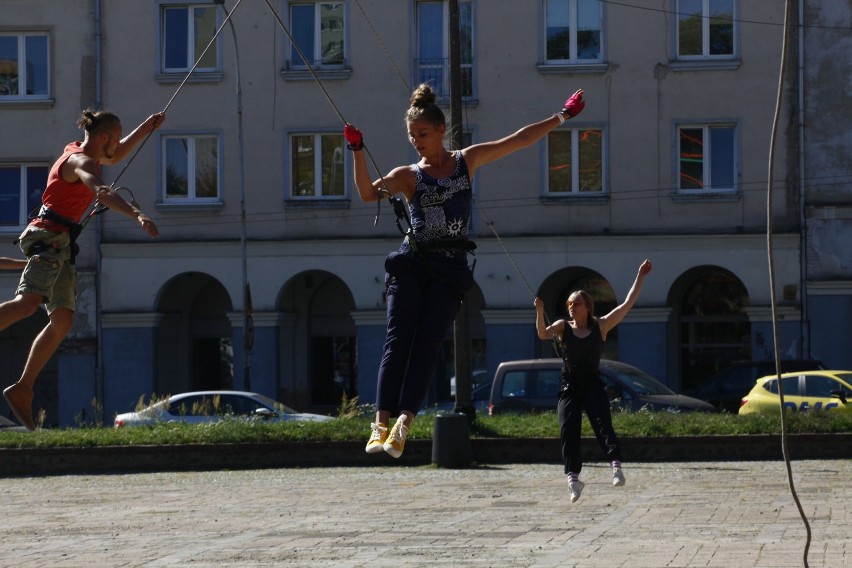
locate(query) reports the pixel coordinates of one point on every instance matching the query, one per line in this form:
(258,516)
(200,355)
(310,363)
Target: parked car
(213,406)
(7,425)
(725,389)
(830,391)
(479,396)
(534,385)
(478,377)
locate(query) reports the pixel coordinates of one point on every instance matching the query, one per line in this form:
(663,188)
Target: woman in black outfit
(581,339)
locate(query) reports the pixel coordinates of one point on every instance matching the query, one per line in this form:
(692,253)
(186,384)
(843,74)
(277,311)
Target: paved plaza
(724,514)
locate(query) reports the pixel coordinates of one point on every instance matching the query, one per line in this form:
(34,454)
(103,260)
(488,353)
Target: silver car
(212,406)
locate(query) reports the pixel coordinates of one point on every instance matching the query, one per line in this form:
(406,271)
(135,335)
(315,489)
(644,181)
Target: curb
(196,457)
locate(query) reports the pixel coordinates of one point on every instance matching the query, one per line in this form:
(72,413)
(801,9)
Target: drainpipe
(248,323)
(803,229)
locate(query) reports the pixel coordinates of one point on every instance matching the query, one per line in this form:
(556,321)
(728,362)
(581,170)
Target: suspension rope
(182,83)
(319,83)
(556,345)
(382,45)
(771,266)
(100,207)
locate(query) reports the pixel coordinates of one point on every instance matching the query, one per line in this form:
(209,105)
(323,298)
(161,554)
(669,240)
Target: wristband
(560,116)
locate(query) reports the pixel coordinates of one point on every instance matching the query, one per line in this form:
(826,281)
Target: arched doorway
(318,348)
(561,284)
(712,327)
(194,336)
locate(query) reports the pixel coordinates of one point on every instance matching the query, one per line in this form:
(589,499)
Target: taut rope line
(100,208)
(328,98)
(185,79)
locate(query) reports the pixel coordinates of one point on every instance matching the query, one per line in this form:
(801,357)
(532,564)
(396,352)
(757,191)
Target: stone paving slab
(710,514)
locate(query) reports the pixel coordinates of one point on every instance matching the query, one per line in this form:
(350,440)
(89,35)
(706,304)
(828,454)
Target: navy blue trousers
(588,395)
(423,298)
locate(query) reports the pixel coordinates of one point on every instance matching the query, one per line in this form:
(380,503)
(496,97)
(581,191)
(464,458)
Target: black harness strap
(74,229)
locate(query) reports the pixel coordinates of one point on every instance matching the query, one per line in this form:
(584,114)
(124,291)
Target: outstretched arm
(614,317)
(84,167)
(480,154)
(139,134)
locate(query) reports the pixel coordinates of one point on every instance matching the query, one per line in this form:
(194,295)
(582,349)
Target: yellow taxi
(804,391)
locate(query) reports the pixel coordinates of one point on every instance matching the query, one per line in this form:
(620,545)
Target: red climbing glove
(575,104)
(354,138)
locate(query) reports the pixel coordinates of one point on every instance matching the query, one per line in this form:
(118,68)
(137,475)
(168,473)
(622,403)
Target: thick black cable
(773,301)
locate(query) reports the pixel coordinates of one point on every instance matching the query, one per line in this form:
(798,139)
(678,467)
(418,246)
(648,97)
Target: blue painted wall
(371,342)
(643,345)
(507,342)
(77,389)
(763,342)
(129,362)
(263,361)
(831,329)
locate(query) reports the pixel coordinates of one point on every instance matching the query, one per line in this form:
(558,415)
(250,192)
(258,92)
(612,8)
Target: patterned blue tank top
(440,208)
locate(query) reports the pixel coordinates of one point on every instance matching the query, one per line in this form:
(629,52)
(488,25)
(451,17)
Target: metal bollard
(451,441)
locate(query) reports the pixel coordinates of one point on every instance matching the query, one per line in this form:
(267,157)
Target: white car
(212,406)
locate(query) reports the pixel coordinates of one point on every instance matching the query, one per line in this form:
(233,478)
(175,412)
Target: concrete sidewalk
(725,514)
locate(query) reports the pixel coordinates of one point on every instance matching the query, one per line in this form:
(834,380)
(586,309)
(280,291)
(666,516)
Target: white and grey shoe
(617,477)
(576,488)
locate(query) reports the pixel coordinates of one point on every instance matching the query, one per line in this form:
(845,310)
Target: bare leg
(382,417)
(45,345)
(20,395)
(18,308)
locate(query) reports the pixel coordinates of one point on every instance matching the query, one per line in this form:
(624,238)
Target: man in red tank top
(49,277)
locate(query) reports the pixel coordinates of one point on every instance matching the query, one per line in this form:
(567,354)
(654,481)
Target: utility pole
(461,328)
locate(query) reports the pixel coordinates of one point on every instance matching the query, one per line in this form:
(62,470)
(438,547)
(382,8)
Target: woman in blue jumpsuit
(427,277)
(581,339)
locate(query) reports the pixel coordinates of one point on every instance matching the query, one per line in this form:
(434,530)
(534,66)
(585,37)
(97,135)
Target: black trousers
(574,398)
(423,298)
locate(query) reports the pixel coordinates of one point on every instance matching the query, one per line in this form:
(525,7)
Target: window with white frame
(318,29)
(21,187)
(191,168)
(186,31)
(433,57)
(575,162)
(706,29)
(317,165)
(706,158)
(24,66)
(573,31)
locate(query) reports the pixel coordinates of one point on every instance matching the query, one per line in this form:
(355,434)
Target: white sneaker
(575,487)
(617,477)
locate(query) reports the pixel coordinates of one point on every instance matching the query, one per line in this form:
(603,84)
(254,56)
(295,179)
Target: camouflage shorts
(49,271)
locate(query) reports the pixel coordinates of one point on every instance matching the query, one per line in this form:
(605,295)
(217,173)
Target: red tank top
(71,200)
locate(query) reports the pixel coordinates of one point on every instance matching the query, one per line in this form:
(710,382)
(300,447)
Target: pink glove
(354,138)
(575,104)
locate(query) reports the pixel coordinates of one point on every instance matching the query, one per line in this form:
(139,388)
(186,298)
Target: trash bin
(451,441)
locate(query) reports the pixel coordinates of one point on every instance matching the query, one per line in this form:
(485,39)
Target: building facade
(268,273)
